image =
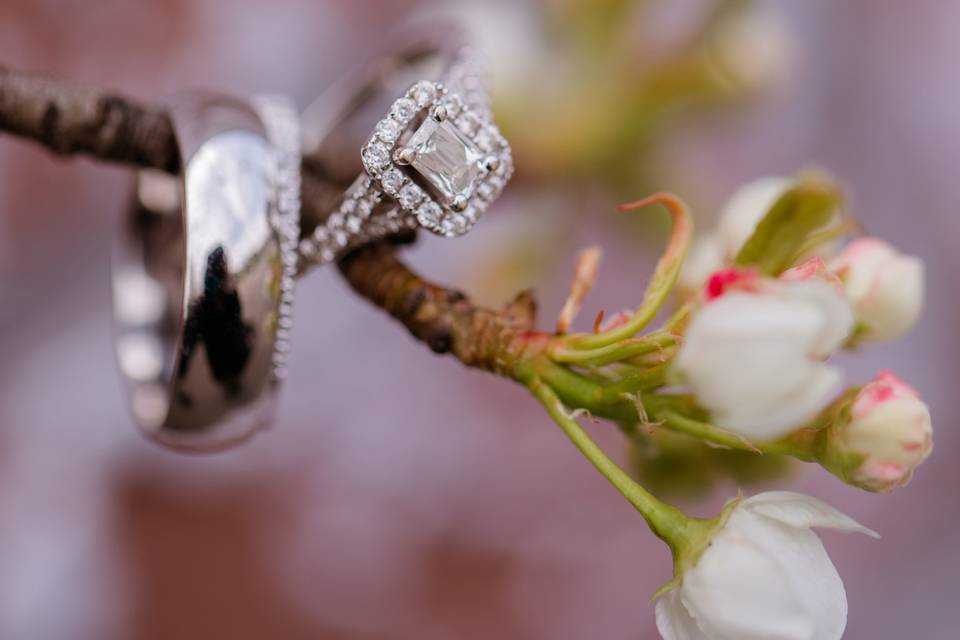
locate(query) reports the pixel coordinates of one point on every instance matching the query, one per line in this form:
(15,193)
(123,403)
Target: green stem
(609,400)
(666,521)
(664,276)
(801,444)
(618,352)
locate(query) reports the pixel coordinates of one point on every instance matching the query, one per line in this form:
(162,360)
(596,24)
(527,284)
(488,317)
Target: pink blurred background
(400,495)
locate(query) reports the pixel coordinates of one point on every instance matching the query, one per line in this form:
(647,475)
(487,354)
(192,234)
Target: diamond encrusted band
(436,160)
(281,120)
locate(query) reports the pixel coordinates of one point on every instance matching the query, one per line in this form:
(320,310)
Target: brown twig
(70,119)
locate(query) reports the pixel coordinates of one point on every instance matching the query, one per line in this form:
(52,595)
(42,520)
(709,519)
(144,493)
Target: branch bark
(70,119)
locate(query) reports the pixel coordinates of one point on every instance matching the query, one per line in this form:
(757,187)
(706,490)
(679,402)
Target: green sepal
(807,206)
(696,539)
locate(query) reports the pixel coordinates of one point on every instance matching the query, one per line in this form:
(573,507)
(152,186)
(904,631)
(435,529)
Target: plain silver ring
(204,274)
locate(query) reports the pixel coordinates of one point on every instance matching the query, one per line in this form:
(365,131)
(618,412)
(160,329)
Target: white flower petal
(837,315)
(778,416)
(885,287)
(674,622)
(741,335)
(705,257)
(799,510)
(748,359)
(765,575)
(813,580)
(896,299)
(740,588)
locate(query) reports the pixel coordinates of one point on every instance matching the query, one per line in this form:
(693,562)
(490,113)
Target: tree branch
(69,119)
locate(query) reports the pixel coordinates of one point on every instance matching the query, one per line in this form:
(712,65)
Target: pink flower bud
(885,287)
(889,432)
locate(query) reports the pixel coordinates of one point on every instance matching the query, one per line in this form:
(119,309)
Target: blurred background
(400,495)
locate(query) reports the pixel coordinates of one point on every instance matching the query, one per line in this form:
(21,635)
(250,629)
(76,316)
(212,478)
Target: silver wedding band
(204,274)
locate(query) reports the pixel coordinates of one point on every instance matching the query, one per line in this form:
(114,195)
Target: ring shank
(336,124)
(197,276)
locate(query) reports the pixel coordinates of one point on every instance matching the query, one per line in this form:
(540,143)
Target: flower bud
(889,434)
(885,287)
(764,575)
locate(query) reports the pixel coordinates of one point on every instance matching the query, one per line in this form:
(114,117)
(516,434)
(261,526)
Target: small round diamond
(453,105)
(392,181)
(321,235)
(307,248)
(353,225)
(403,109)
(453,225)
(423,93)
(429,213)
(389,130)
(485,190)
(364,207)
(376,156)
(410,195)
(484,139)
(468,123)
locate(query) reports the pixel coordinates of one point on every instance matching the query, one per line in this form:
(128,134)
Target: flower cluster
(756,352)
(768,298)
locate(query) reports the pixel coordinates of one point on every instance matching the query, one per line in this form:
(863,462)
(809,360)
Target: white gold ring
(434,160)
(204,273)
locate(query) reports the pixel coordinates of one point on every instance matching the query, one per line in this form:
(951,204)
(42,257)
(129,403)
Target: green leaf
(804,208)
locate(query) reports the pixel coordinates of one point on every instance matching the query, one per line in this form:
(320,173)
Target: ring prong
(405,155)
(459,203)
(491,163)
(439,113)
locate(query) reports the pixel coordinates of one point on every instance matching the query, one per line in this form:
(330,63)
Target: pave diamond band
(282,123)
(435,160)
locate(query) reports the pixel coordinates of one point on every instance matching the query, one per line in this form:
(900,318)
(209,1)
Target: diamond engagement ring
(435,159)
(204,273)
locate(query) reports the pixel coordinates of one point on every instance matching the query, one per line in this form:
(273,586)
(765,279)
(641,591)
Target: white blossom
(764,576)
(752,354)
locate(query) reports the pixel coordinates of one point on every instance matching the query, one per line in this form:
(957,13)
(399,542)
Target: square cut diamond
(446,158)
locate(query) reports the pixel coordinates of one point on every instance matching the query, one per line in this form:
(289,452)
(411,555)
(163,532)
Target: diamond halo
(436,160)
(456,150)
